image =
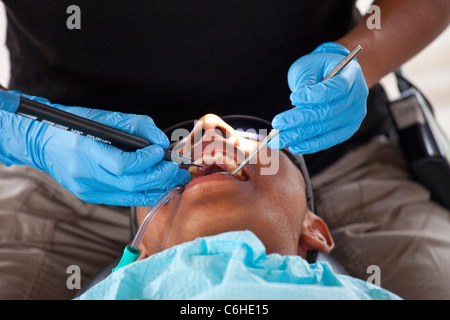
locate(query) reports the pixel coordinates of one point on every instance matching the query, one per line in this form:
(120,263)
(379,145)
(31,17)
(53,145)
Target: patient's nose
(212,128)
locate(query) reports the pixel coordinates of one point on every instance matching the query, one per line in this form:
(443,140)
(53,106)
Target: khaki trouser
(379,215)
(44,229)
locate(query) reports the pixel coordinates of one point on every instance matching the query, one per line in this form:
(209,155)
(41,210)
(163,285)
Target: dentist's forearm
(407,27)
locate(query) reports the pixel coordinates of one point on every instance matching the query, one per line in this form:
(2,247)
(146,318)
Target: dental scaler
(82,126)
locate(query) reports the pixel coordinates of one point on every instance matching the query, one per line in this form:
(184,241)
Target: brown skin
(271,206)
(407,26)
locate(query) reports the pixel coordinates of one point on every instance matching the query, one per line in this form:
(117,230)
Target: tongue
(210,170)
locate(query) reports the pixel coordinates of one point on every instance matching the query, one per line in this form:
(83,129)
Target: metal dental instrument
(82,126)
(132,252)
(275,132)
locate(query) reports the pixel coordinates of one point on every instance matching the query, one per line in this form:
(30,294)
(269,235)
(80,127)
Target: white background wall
(430,70)
(4,65)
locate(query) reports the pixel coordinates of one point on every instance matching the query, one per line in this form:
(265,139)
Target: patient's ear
(315,235)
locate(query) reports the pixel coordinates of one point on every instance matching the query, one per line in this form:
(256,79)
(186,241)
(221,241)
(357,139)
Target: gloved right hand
(324,113)
(93,171)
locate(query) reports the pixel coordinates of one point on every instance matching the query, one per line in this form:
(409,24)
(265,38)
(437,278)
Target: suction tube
(132,252)
(151,214)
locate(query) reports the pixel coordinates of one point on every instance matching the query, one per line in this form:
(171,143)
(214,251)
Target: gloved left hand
(325,113)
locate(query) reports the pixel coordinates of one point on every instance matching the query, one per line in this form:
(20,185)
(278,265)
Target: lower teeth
(240,176)
(194,170)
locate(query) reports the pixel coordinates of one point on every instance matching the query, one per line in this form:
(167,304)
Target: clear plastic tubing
(152,212)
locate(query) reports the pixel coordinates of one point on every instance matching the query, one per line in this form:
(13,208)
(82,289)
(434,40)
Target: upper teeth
(218,158)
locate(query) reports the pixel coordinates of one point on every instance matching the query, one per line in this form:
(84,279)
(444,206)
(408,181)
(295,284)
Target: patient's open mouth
(216,163)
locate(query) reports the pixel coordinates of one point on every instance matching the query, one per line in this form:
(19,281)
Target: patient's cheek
(140,214)
(269,161)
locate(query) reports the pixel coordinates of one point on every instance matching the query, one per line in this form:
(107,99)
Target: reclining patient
(242,237)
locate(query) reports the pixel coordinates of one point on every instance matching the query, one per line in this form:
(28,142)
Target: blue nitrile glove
(324,114)
(93,171)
